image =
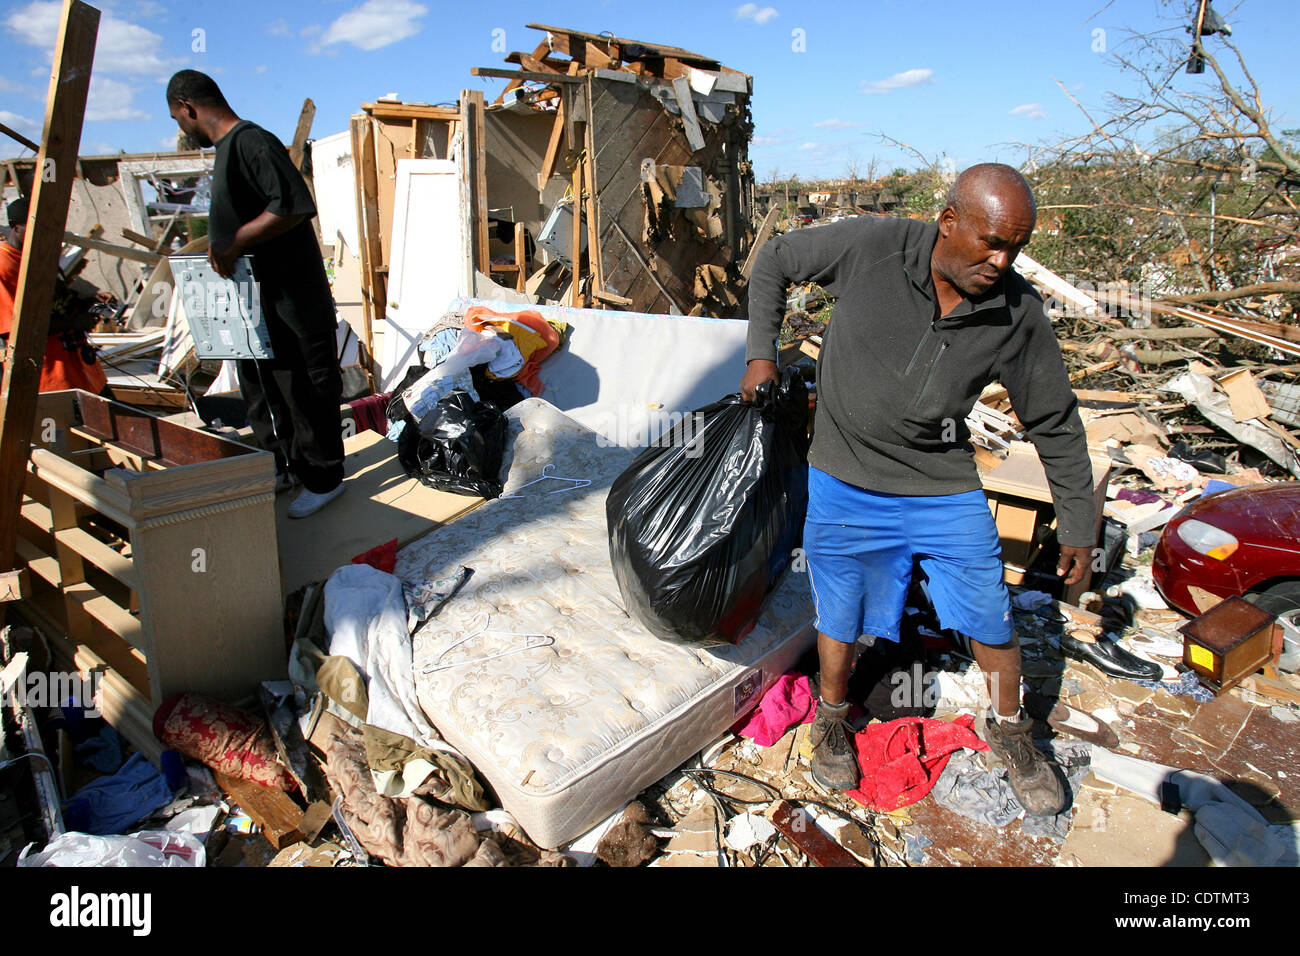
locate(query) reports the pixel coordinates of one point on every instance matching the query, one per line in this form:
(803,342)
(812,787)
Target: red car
(1245,541)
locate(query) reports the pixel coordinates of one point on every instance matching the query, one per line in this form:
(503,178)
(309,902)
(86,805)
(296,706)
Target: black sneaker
(834,762)
(1030,774)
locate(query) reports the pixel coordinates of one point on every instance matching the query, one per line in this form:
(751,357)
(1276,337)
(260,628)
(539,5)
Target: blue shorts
(859,547)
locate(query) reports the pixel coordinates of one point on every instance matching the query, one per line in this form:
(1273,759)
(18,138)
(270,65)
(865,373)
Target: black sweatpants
(293,399)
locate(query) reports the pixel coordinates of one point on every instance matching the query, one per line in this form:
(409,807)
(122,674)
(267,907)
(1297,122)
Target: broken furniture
(152,554)
(1021,502)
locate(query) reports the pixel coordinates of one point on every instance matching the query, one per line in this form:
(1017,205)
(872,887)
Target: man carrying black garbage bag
(927,315)
(261,207)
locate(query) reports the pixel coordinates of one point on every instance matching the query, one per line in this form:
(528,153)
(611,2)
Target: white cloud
(1033,111)
(120,47)
(279,28)
(900,81)
(111,99)
(310,30)
(168,143)
(374,24)
(760,15)
(260,68)
(836,123)
(807,147)
(767,140)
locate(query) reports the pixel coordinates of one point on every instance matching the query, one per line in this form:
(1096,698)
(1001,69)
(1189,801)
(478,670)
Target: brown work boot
(1030,774)
(834,763)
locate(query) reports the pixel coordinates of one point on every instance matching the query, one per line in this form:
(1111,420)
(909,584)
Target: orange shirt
(60,368)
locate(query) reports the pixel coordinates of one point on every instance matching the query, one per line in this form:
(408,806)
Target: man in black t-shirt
(261,208)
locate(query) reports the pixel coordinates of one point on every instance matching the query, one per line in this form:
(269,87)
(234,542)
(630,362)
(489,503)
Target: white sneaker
(309,502)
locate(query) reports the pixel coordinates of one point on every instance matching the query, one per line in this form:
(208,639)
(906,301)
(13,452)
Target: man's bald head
(985,183)
(988,217)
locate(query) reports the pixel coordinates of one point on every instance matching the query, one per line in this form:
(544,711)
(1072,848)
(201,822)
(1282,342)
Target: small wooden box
(1228,643)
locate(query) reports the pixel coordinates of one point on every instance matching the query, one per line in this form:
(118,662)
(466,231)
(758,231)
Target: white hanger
(576,483)
(530,641)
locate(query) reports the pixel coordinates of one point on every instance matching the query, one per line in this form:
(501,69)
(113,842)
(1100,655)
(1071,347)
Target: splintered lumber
(122,252)
(797,827)
(300,133)
(760,240)
(552,149)
(273,810)
(74,53)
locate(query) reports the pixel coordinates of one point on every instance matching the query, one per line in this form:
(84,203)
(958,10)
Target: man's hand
(1073,563)
(757,372)
(223,258)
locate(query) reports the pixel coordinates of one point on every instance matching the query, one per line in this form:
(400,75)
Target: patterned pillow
(225,738)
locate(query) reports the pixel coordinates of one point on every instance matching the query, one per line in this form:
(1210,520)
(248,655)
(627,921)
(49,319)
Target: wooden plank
(523,75)
(122,252)
(521,256)
(797,827)
(552,149)
(300,133)
(373,288)
(272,810)
(575,287)
(472,113)
(760,240)
(65,106)
(406,111)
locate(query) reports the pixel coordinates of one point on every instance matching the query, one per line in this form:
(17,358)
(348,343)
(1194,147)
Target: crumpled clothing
(369,413)
(414,831)
(102,752)
(901,760)
(365,616)
(439,345)
(112,804)
(787,702)
(985,795)
(535,337)
(508,363)
(426,599)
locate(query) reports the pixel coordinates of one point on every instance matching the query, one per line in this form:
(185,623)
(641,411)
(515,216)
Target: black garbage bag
(457,447)
(702,524)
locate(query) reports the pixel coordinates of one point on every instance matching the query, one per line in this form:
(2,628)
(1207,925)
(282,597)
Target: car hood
(1263,513)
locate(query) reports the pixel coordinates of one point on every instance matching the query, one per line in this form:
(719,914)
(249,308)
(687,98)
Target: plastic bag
(146,848)
(702,524)
(457,447)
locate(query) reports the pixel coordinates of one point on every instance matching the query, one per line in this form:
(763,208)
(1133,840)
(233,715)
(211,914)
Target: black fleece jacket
(895,384)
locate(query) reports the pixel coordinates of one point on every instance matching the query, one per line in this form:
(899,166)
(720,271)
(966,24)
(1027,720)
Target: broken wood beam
(524,75)
(20,138)
(301,132)
(798,827)
(760,240)
(122,252)
(74,53)
(552,149)
(273,810)
(521,256)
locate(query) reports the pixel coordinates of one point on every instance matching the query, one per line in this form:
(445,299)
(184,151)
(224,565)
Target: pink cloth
(787,702)
(902,759)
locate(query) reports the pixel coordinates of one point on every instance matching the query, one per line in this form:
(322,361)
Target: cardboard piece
(1244,397)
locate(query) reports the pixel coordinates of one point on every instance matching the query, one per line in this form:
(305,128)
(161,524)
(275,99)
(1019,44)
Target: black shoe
(1109,658)
(834,762)
(1030,774)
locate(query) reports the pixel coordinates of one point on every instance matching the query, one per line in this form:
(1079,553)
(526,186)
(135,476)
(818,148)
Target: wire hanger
(575,483)
(530,641)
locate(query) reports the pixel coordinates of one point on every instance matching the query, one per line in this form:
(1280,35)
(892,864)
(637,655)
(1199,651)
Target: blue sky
(950,78)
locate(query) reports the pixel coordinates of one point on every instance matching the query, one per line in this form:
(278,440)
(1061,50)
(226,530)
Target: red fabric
(787,702)
(383,557)
(902,759)
(223,737)
(60,367)
(371,413)
(478,317)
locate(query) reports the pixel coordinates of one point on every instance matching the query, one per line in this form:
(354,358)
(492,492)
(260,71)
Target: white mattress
(567,733)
